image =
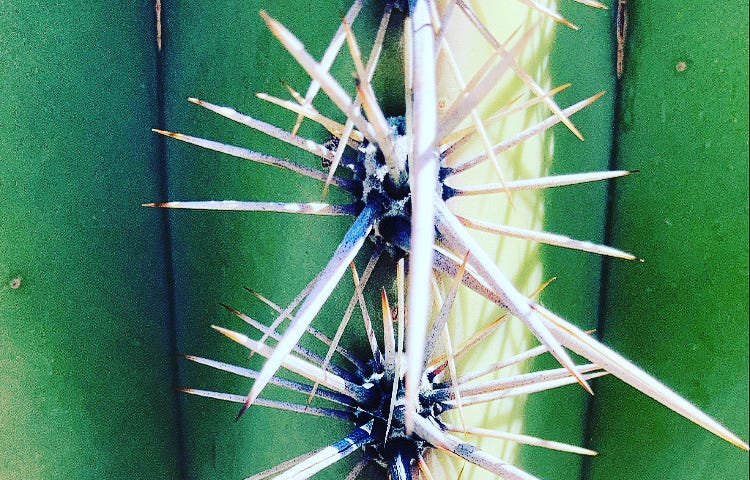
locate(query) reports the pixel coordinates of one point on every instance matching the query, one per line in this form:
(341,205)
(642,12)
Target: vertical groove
(162,189)
(591,413)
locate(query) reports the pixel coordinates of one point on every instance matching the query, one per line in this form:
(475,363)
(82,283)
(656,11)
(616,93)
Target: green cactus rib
(687,217)
(86,367)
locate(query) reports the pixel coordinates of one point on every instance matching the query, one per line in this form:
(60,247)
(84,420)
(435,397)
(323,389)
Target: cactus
(245,252)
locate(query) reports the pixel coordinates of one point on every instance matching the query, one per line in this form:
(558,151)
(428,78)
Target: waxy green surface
(683,313)
(86,363)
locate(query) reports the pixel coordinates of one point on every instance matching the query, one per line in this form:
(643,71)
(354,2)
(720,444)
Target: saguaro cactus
(95,293)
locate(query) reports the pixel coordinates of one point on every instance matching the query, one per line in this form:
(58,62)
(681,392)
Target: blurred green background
(98,295)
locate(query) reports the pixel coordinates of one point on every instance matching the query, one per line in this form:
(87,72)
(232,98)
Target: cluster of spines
(437,238)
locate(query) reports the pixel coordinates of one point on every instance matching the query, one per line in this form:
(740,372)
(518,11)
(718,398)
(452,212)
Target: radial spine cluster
(399,184)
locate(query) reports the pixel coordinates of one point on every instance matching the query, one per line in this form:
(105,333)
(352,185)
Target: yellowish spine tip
(597,96)
(237,337)
(542,287)
(384,304)
(166,133)
(231,309)
(575,131)
(569,24)
(280,31)
(272,24)
(584,384)
(572,127)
